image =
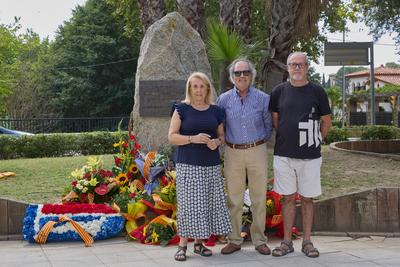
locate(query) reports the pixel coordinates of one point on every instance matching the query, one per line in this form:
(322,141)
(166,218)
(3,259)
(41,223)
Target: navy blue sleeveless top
(193,122)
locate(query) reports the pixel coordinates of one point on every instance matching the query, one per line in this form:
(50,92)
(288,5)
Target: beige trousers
(238,162)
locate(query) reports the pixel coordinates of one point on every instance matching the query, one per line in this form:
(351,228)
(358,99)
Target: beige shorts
(297,175)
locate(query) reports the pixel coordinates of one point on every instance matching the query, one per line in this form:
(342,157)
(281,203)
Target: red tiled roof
(391,79)
(381,70)
(387,75)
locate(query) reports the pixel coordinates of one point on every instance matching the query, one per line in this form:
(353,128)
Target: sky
(44,17)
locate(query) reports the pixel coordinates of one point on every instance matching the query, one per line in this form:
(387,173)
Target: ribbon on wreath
(162,205)
(46,229)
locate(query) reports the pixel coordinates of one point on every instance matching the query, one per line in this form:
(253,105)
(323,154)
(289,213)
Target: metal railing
(65,125)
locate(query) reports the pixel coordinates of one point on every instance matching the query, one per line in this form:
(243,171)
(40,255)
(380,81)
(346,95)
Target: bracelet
(190,141)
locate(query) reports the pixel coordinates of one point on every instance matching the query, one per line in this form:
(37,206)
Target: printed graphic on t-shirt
(309,132)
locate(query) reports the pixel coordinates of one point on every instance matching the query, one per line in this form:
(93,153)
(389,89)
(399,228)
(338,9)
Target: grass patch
(41,180)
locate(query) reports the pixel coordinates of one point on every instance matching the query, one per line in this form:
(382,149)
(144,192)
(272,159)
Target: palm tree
(243,21)
(194,12)
(151,11)
(224,46)
(227,11)
(291,19)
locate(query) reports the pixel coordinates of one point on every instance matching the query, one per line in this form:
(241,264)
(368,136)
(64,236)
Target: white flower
(84,190)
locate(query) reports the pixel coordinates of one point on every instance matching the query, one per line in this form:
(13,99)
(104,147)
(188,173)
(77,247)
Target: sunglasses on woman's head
(244,72)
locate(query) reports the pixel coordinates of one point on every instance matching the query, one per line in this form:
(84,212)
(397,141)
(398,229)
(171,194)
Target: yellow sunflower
(133,169)
(121,179)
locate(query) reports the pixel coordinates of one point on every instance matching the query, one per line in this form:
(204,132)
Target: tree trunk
(243,21)
(227,13)
(194,12)
(151,11)
(288,24)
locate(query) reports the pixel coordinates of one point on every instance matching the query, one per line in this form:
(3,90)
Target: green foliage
(314,76)
(54,145)
(128,11)
(335,100)
(83,85)
(379,132)
(380,16)
(347,70)
(336,134)
(386,89)
(392,65)
(223,45)
(365,132)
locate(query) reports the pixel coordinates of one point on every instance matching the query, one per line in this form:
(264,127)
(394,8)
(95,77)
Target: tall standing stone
(170,51)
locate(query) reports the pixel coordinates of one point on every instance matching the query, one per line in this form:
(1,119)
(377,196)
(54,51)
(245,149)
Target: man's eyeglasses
(244,72)
(295,65)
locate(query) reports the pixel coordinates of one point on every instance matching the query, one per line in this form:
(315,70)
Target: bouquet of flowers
(91,183)
(161,230)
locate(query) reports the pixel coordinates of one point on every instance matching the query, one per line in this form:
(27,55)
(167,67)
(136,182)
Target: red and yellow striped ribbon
(46,229)
(147,163)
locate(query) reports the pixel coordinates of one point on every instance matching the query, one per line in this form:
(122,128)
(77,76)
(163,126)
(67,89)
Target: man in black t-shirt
(301,117)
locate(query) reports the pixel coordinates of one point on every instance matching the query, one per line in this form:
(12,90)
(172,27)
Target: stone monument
(170,51)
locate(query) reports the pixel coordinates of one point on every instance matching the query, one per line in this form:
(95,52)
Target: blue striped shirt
(247,120)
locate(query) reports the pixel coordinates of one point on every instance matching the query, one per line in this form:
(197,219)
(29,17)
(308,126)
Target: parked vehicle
(13,132)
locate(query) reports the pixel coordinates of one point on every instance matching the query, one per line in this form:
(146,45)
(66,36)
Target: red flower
(74,183)
(125,145)
(130,175)
(164,180)
(132,137)
(101,190)
(87,175)
(137,146)
(76,208)
(117,161)
(133,152)
(132,195)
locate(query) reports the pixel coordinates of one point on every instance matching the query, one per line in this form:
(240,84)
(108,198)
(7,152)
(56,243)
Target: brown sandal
(202,250)
(180,255)
(286,247)
(309,250)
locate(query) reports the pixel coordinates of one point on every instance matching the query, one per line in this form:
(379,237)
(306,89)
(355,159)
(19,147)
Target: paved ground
(335,251)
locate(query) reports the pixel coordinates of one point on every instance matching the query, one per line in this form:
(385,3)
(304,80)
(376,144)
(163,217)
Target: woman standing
(196,127)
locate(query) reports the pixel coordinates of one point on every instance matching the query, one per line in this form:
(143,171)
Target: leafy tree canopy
(380,16)
(94,63)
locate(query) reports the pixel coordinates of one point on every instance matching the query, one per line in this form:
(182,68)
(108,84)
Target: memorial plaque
(157,97)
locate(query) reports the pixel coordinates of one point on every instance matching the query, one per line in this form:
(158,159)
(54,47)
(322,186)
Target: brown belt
(245,146)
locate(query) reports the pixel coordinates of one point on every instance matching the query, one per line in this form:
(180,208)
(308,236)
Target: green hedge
(55,145)
(365,132)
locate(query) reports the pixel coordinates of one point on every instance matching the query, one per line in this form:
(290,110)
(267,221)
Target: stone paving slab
(335,251)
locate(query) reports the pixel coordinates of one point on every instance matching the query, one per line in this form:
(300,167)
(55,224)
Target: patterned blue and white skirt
(202,205)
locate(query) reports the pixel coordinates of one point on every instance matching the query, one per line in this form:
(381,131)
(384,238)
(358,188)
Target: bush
(55,145)
(336,134)
(379,133)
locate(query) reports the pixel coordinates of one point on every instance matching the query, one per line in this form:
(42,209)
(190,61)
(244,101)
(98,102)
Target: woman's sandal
(286,247)
(309,250)
(202,250)
(180,255)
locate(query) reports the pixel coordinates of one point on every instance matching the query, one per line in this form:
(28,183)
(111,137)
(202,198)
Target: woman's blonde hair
(210,89)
